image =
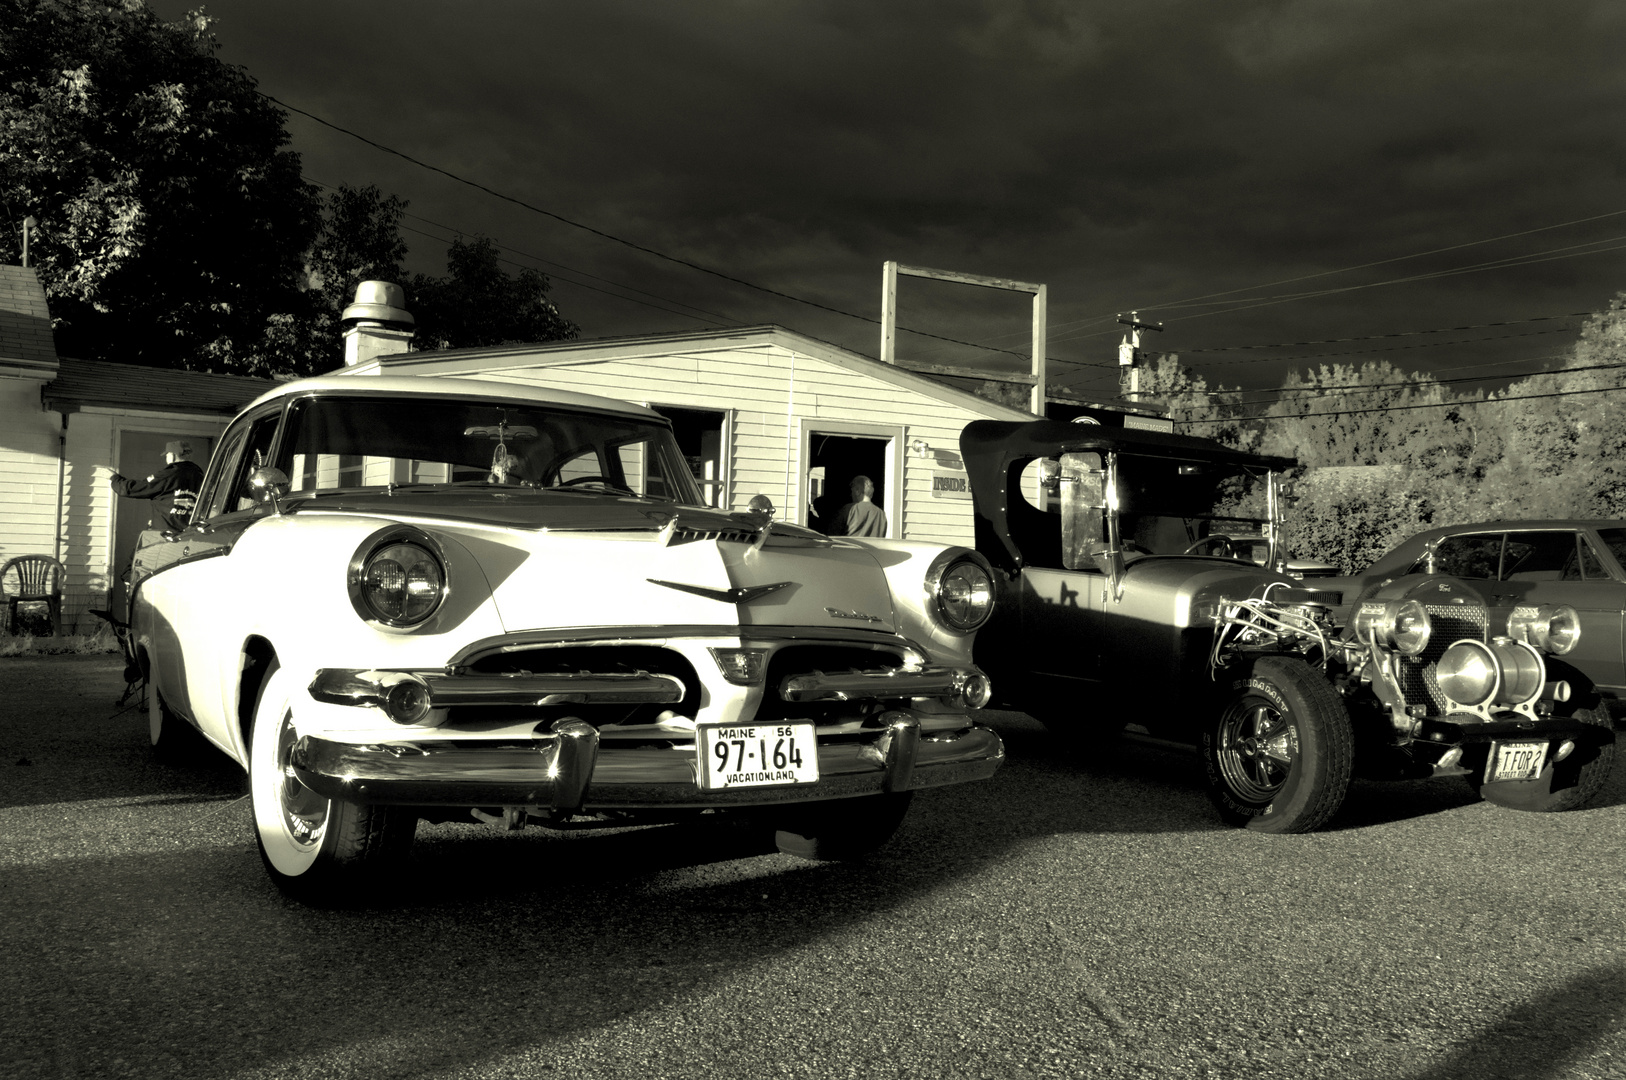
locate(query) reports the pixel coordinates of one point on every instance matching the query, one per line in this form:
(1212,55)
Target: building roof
(25,321)
(437,386)
(542,354)
(82,384)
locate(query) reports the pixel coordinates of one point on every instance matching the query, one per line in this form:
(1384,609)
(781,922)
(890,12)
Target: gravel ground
(1061,920)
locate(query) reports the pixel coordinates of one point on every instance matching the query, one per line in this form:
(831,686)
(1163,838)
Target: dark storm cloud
(1128,154)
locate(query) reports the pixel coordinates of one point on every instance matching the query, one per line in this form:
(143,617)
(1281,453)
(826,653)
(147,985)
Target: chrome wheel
(1279,754)
(304,813)
(1257,748)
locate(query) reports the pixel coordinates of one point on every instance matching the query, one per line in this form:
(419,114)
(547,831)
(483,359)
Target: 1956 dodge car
(405,599)
(1132,595)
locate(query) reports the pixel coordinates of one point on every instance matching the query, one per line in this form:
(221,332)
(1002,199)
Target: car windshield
(1166,506)
(348,443)
(1173,507)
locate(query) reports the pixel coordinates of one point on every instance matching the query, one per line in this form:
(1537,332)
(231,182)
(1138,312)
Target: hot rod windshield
(1163,506)
(349,443)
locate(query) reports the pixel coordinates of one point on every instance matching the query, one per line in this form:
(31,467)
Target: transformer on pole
(1131,358)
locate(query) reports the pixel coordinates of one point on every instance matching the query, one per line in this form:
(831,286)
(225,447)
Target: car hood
(519,508)
(556,561)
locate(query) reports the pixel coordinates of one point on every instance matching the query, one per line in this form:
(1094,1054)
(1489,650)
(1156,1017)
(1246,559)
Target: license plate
(757,755)
(1516,761)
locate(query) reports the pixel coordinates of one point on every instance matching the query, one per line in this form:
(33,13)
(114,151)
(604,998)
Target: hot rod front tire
(317,850)
(1278,757)
(842,829)
(1571,784)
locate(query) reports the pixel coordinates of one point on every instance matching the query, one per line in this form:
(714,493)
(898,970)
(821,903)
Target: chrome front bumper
(568,768)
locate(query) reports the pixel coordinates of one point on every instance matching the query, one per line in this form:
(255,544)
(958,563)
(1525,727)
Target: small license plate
(757,755)
(1515,761)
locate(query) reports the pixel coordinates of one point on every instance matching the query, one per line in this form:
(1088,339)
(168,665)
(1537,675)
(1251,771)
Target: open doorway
(832,460)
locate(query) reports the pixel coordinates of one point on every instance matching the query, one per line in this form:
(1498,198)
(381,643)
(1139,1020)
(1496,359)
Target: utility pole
(1131,358)
(30,223)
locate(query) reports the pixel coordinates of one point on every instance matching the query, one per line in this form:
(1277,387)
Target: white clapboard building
(759,410)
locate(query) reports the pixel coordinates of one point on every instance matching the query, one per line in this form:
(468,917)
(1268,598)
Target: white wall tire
(317,849)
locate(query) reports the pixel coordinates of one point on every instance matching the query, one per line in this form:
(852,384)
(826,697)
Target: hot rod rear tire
(317,850)
(842,829)
(1570,784)
(1279,755)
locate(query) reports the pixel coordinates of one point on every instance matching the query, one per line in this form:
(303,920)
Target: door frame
(892,482)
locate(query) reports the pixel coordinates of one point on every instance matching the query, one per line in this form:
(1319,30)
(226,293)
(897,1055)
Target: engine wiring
(1259,621)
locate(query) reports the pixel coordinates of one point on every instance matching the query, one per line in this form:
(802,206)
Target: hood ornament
(742,594)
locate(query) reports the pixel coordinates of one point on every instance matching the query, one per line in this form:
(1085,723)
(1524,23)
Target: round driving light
(407,700)
(1403,625)
(977,691)
(1563,629)
(1554,628)
(961,592)
(1468,673)
(1409,628)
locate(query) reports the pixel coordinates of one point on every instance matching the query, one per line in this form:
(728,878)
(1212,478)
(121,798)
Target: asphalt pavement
(1076,916)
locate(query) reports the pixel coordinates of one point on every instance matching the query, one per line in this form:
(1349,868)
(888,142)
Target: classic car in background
(445,599)
(1124,602)
(1581,564)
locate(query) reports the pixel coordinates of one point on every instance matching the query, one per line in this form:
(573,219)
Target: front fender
(908,566)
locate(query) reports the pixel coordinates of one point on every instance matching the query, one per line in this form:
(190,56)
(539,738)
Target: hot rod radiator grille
(1451,624)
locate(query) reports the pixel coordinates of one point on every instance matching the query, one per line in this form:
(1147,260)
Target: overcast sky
(1205,162)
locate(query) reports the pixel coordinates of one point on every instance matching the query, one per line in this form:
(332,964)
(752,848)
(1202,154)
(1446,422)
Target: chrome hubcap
(1257,746)
(304,813)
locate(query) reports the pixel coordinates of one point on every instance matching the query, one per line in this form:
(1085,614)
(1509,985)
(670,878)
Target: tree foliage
(1385,453)
(174,227)
(173,220)
(477,303)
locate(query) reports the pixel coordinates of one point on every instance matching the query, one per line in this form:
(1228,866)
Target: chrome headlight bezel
(960,590)
(1402,625)
(403,539)
(1554,628)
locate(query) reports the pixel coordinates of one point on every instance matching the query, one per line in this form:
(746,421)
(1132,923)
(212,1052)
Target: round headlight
(1468,673)
(397,581)
(964,595)
(1554,628)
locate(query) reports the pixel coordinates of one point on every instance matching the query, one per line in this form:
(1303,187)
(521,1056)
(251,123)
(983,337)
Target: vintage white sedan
(405,599)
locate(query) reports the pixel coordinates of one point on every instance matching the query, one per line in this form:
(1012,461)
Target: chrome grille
(683,535)
(1451,623)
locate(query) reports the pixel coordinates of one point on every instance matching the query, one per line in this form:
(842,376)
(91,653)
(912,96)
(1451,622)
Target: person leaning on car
(175,485)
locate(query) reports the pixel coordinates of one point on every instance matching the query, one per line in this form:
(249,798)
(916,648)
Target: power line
(556,265)
(611,236)
(1357,388)
(1393,334)
(1385,262)
(1459,404)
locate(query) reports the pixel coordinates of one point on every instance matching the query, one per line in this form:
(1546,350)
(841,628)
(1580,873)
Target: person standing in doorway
(175,486)
(861,517)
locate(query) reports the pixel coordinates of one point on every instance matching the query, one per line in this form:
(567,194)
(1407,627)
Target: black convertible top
(995,450)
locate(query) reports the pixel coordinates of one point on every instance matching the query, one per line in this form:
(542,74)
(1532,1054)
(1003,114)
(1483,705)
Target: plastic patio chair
(33,579)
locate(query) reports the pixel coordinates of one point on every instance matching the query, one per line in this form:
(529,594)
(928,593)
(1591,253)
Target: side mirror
(269,485)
